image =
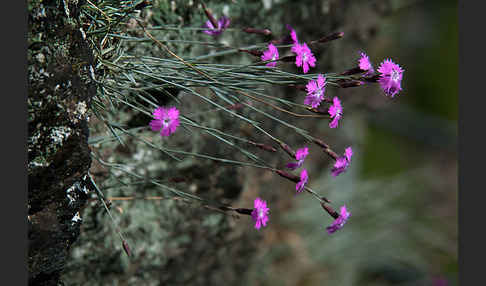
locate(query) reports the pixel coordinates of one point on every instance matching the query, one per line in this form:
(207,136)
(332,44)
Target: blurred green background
(401,187)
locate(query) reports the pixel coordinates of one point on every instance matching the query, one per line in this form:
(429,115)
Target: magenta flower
(339,166)
(365,65)
(270,55)
(293,34)
(304,177)
(300,156)
(223,23)
(304,57)
(342,162)
(390,77)
(260,213)
(340,221)
(166,120)
(348,153)
(315,91)
(336,111)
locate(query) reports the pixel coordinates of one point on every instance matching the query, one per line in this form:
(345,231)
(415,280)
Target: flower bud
(352,71)
(255,53)
(288,176)
(330,210)
(126,248)
(243,211)
(349,83)
(210,16)
(263,146)
(288,150)
(265,32)
(328,38)
(331,37)
(374,78)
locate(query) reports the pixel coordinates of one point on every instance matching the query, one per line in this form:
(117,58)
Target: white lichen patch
(92,73)
(76,218)
(60,134)
(43,72)
(83,34)
(41,12)
(38,162)
(70,194)
(79,113)
(66,8)
(40,58)
(32,141)
(83,189)
(81,108)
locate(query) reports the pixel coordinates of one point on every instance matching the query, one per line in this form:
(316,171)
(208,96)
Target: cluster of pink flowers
(300,156)
(390,74)
(389,77)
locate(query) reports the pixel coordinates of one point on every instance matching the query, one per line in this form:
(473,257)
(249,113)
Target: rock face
(59,93)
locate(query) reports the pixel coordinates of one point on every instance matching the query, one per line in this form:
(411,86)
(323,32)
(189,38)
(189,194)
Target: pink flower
(304,57)
(336,111)
(390,77)
(340,221)
(300,156)
(303,181)
(260,213)
(270,55)
(365,65)
(293,34)
(348,153)
(223,23)
(166,120)
(342,162)
(339,166)
(315,91)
